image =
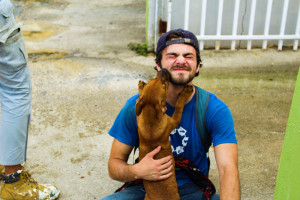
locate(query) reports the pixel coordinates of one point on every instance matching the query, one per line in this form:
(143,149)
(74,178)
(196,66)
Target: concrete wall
(288,178)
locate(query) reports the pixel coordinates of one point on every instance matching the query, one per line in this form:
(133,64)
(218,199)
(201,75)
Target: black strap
(201,180)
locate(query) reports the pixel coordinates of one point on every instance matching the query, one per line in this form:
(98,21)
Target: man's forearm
(230,186)
(227,161)
(121,171)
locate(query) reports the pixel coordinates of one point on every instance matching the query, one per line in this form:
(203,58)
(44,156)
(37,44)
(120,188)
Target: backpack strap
(202,99)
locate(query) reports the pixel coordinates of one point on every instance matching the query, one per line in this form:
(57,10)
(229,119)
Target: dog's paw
(189,89)
(186,93)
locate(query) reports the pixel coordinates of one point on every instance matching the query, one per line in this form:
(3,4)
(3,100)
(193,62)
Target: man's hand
(153,170)
(148,168)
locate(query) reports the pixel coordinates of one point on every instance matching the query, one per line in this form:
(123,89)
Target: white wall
(178,9)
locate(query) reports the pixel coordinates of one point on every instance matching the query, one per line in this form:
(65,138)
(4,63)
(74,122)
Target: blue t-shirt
(185,139)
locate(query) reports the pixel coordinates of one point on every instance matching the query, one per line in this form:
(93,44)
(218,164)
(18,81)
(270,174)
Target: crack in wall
(243,21)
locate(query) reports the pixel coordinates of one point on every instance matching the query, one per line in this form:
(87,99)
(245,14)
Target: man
(15,97)
(178,52)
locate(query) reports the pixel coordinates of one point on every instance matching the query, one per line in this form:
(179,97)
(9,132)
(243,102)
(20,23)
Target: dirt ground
(82,74)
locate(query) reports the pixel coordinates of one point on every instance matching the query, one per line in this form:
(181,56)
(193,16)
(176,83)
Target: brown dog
(154,128)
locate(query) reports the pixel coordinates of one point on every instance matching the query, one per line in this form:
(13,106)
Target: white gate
(228,23)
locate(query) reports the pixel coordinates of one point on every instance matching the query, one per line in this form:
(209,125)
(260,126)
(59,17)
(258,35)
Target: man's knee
(215,197)
(136,192)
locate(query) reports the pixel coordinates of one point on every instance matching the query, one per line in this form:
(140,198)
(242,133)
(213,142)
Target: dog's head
(154,93)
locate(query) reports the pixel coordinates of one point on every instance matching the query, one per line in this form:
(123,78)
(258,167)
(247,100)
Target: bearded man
(178,52)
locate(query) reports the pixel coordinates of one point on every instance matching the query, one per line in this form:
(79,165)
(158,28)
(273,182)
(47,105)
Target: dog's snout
(164,74)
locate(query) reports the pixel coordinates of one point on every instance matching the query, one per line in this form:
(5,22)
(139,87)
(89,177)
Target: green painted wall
(147,19)
(288,177)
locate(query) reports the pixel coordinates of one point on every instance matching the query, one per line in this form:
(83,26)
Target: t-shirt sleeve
(124,129)
(220,121)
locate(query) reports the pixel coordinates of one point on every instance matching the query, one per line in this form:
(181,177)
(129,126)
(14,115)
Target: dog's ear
(139,106)
(162,106)
(141,87)
(139,103)
(162,102)
(160,111)
(164,85)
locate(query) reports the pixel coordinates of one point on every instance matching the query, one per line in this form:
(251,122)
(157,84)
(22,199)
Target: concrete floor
(82,73)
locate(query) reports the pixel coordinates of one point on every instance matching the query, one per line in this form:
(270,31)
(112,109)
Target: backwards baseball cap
(187,38)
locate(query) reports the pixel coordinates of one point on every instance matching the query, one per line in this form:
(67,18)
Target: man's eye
(171,56)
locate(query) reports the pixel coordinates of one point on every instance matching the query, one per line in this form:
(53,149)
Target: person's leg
(192,191)
(15,97)
(15,93)
(136,192)
(1,171)
(10,169)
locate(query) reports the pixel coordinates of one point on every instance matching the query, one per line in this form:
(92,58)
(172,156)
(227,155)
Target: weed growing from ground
(140,49)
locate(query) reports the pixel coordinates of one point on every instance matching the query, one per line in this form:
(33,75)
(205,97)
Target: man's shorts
(15,92)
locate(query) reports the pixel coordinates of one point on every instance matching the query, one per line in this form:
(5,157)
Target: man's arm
(147,168)
(227,161)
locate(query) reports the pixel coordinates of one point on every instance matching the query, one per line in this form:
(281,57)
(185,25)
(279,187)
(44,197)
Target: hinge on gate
(162,27)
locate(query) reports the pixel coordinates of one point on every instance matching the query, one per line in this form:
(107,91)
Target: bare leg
(12,169)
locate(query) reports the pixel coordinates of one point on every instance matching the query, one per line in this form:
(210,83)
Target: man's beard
(180,80)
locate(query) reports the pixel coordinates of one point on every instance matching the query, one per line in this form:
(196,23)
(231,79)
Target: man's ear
(198,68)
(158,67)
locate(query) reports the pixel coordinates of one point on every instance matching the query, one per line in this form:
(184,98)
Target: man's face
(181,61)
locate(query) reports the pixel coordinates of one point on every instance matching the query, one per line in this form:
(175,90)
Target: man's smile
(181,69)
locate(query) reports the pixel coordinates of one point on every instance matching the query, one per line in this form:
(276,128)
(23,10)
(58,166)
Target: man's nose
(180,60)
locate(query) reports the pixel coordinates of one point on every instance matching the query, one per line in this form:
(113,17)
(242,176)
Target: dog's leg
(184,95)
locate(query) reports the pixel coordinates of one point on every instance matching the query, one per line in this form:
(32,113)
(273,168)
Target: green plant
(141,49)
